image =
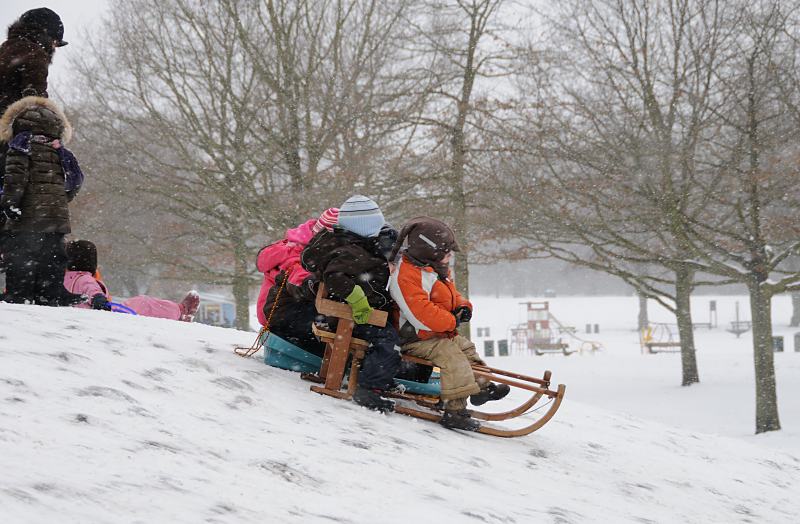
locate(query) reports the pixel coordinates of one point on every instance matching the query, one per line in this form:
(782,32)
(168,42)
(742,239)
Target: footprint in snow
(105,392)
(65,356)
(157,374)
(538,453)
(287,472)
(161,446)
(355,444)
(197,364)
(240,399)
(232,383)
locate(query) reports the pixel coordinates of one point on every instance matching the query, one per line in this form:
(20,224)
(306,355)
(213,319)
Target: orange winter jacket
(426,302)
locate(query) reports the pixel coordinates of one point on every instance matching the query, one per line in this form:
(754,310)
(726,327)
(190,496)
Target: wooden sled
(341,345)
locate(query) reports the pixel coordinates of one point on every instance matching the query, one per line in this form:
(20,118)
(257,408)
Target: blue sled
(284,355)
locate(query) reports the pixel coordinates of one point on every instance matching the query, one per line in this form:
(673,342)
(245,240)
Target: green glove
(359,304)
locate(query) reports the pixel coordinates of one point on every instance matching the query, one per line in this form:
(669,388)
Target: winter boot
(491,392)
(189,306)
(64,299)
(370,399)
(461,419)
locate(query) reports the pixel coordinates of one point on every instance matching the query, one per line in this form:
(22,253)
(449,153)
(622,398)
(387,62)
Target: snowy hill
(111,418)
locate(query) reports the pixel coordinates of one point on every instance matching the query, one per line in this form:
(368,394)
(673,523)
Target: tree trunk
(241,287)
(683,312)
(644,321)
(795,321)
(462,284)
(766,397)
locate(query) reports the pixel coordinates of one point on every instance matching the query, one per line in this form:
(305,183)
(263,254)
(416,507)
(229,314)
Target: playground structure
(542,333)
(738,327)
(659,337)
(662,337)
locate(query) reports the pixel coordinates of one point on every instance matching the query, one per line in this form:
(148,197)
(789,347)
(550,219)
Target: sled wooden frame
(341,345)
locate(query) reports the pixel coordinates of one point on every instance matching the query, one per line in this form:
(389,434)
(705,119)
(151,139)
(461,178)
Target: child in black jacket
(352,264)
(41,177)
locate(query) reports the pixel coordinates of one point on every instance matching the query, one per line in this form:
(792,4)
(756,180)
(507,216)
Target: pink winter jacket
(284,254)
(84,283)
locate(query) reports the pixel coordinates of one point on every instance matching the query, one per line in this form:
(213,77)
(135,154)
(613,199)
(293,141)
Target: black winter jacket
(33,185)
(24,62)
(342,259)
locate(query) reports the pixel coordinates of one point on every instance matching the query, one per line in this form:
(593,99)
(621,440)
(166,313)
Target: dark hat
(46,20)
(429,240)
(81,256)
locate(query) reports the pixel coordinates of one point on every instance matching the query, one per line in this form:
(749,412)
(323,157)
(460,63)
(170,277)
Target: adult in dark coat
(26,55)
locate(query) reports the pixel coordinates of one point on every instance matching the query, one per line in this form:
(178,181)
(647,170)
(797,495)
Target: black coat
(342,260)
(34,181)
(24,62)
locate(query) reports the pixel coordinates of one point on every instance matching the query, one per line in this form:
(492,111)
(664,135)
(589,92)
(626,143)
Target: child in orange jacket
(431,309)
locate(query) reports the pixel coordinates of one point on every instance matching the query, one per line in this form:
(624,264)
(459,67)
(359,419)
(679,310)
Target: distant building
(216,310)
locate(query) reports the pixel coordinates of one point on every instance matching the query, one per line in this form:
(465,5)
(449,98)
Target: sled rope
(246,352)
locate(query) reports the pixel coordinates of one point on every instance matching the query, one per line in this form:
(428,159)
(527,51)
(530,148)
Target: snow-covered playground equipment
(542,333)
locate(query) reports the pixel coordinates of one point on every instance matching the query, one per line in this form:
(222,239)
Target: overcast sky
(77,16)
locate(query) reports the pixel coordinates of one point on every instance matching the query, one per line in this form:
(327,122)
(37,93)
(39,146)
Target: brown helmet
(429,240)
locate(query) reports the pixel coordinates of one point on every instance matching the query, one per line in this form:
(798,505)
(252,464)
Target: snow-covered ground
(111,418)
(622,379)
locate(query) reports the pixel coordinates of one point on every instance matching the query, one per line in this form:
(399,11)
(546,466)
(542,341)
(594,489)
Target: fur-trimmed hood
(20,106)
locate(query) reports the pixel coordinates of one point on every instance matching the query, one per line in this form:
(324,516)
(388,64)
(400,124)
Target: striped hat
(362,216)
(326,220)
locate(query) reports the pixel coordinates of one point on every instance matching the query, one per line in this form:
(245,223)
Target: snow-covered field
(111,418)
(620,378)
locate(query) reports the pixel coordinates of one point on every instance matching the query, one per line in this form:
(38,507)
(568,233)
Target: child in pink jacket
(284,255)
(80,278)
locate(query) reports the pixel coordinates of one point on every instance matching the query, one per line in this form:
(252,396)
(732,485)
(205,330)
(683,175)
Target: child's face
(447,257)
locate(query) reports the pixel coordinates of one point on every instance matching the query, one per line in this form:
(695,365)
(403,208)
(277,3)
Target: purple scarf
(73,176)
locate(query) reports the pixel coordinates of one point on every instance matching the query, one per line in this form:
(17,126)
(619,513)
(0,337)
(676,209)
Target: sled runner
(341,345)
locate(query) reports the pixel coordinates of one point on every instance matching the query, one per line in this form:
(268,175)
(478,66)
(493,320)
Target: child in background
(41,177)
(431,310)
(81,277)
(350,262)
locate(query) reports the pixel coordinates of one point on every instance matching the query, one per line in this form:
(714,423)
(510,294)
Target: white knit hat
(361,215)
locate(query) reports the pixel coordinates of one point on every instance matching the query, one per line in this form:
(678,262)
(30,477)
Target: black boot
(491,392)
(461,419)
(63,299)
(370,399)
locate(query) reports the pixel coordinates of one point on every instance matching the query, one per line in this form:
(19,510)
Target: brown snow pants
(453,357)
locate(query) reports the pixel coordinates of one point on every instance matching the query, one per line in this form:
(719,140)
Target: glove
(359,304)
(99,301)
(463,314)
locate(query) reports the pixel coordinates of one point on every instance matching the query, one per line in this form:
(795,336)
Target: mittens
(359,304)
(99,301)
(463,314)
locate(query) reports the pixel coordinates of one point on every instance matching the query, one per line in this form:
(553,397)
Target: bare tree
(749,231)
(462,49)
(626,100)
(239,119)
